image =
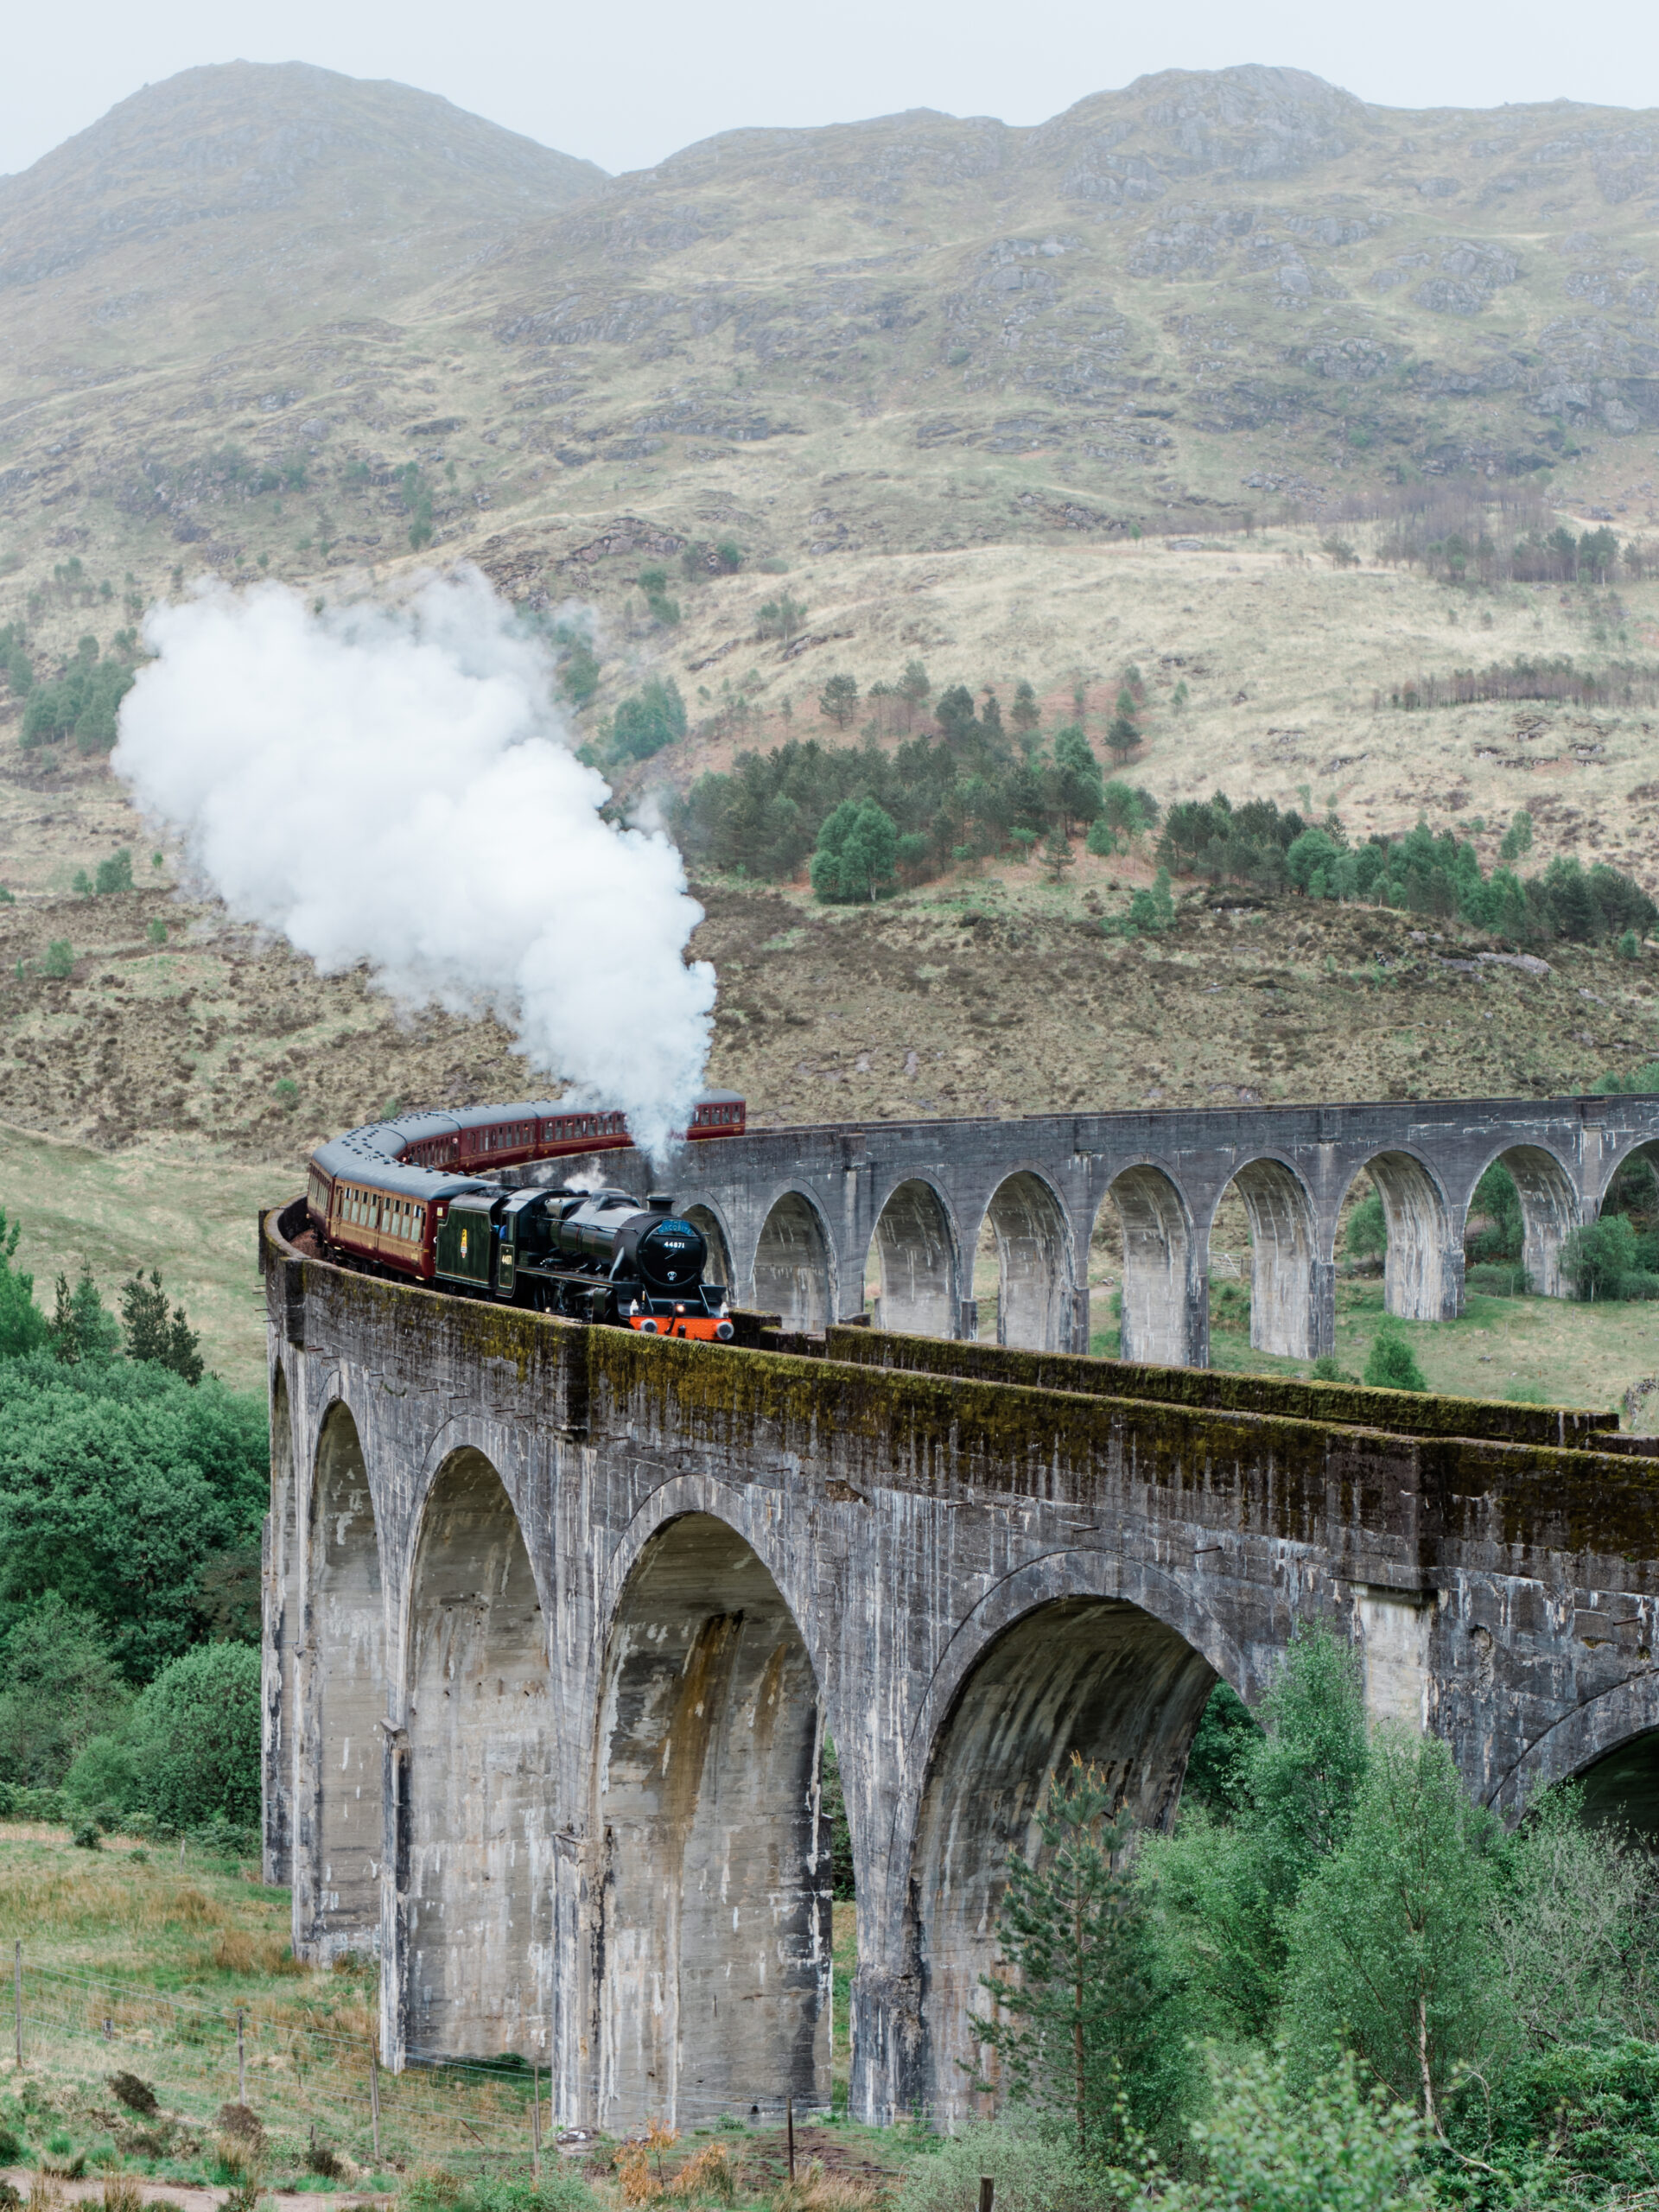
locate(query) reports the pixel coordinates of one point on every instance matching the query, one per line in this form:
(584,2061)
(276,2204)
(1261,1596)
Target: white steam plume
(394,787)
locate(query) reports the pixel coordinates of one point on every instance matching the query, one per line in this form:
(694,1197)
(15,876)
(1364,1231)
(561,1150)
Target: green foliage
(838,701)
(1228,1733)
(1390,1943)
(1124,815)
(1606,1258)
(1226,1886)
(1276,2141)
(151,1332)
(1088,2020)
(59,960)
(61,1686)
(1151,913)
(1079,791)
(118,1484)
(82,703)
(1366,1236)
(156,932)
(196,1737)
(579,664)
(834,1801)
(1034,2168)
(654,584)
(857,850)
(784,617)
(649,720)
(104,1778)
(1391,1363)
(1517,838)
(79,1328)
(1496,1202)
(23,1325)
(114,873)
(1423,873)
(1025,713)
(416,495)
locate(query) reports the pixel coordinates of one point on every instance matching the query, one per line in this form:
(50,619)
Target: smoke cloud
(394,787)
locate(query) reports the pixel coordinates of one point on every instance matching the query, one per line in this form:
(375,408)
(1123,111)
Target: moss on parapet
(1344,1405)
(852,1424)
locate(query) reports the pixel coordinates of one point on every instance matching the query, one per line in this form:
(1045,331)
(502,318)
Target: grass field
(135,1961)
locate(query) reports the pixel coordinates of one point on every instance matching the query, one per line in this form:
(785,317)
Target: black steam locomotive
(419,1197)
(595,1256)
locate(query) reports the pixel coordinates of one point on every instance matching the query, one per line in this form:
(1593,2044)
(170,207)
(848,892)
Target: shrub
(114,873)
(196,1737)
(103,1778)
(1392,1365)
(652,718)
(1034,2171)
(62,1689)
(60,960)
(1599,1258)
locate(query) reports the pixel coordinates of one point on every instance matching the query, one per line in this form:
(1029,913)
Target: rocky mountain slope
(1026,405)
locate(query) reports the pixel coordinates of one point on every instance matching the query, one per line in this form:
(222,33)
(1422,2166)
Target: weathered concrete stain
(626,1587)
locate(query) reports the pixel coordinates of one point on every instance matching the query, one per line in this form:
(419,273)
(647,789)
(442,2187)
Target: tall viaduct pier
(558,1617)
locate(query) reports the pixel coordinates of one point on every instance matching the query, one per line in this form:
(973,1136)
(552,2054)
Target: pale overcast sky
(626,82)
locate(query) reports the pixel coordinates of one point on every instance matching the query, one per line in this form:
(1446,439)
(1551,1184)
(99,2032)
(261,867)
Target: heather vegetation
(132,1485)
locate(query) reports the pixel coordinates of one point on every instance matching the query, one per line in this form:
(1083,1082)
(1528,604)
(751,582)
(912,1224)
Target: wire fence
(315,2091)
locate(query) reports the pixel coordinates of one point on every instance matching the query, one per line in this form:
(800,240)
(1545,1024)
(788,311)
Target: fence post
(536,2120)
(17,1996)
(241,2063)
(987,2192)
(374,2099)
(789,2122)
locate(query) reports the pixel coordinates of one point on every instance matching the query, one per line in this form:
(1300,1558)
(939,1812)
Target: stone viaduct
(794,1213)
(559,1618)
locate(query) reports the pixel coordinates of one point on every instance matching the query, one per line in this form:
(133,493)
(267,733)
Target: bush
(645,723)
(1392,1365)
(196,1737)
(121,1481)
(104,1779)
(1034,2169)
(62,1689)
(59,961)
(1599,1258)
(1275,2142)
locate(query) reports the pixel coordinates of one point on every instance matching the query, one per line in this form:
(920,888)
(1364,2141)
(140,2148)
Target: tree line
(132,1487)
(1337,1983)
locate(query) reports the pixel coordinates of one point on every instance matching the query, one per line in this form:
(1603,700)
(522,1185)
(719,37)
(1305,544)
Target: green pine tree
(1089,2019)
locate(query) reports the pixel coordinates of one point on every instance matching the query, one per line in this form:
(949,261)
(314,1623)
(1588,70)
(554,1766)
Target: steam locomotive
(395,1197)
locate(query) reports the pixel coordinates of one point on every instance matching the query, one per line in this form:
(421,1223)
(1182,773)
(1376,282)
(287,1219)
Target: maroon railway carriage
(380,1192)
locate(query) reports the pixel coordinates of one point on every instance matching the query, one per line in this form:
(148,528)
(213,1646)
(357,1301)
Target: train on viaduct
(558,1617)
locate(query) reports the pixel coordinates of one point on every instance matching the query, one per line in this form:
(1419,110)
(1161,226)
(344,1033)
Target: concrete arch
(1422,1276)
(915,1247)
(1579,1740)
(279,1642)
(1549,1210)
(474,1811)
(1035,1270)
(1635,1149)
(713,1955)
(1159,1324)
(794,1269)
(339,1824)
(706,1219)
(1290,1287)
(1097,1677)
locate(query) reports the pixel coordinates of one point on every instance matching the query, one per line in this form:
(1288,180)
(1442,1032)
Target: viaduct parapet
(801,1217)
(557,1619)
